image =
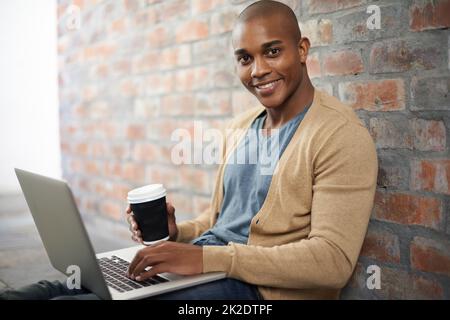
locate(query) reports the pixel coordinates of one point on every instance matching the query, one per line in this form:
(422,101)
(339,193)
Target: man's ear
(303,49)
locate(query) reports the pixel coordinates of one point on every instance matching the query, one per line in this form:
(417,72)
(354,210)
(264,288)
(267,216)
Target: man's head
(270,52)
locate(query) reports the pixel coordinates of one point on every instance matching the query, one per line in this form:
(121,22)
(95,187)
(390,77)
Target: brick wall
(136,70)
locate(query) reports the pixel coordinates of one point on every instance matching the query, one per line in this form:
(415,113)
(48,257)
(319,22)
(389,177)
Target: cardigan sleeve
(345,172)
(191,229)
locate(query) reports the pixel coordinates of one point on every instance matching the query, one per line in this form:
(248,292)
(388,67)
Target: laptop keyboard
(114,271)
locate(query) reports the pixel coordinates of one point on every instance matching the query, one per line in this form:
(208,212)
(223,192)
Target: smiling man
(296,232)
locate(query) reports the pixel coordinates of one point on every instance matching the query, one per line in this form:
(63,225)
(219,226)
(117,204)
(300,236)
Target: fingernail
(138,278)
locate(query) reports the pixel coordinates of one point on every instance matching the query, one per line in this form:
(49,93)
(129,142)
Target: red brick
(396,284)
(119,191)
(381,246)
(100,51)
(342,63)
(192,30)
(147,108)
(166,174)
(376,95)
(196,180)
(176,105)
(415,134)
(81,149)
(158,83)
(323,6)
(175,57)
(135,131)
(158,37)
(191,79)
(175,9)
(425,15)
(112,169)
(243,100)
(90,167)
(223,21)
(112,210)
(118,26)
(118,150)
(408,209)
(394,132)
(430,255)
(319,32)
(181,202)
(213,103)
(146,152)
(400,284)
(431,175)
(133,172)
(201,6)
(430,93)
(100,70)
(313,65)
(213,49)
(429,135)
(146,62)
(401,55)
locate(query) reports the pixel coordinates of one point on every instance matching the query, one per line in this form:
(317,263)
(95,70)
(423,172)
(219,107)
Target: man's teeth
(268,85)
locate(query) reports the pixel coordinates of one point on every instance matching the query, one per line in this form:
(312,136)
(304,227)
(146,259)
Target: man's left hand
(167,256)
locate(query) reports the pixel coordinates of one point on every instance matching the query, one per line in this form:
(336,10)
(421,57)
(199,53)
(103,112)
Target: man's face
(267,60)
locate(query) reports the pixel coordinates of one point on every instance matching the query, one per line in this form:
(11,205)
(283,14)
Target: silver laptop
(67,243)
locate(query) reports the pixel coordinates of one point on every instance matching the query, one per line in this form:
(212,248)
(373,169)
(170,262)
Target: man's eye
(244,59)
(273,51)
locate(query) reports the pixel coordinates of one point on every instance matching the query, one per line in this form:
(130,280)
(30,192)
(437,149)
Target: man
(299,233)
(295,233)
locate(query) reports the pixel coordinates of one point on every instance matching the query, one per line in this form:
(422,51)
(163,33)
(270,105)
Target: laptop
(67,243)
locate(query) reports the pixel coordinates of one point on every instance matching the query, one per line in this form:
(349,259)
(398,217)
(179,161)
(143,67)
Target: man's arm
(191,229)
(343,191)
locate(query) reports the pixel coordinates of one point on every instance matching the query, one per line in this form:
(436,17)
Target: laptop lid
(61,229)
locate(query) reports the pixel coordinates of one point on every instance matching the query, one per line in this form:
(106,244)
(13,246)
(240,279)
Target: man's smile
(266,88)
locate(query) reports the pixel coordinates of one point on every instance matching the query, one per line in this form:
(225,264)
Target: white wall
(29,133)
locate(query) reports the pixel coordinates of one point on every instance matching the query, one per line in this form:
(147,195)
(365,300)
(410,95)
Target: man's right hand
(136,233)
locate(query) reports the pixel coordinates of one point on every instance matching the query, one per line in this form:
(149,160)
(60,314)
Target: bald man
(294,233)
(292,230)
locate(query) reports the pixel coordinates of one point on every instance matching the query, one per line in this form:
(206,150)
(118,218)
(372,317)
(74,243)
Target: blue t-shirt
(247,178)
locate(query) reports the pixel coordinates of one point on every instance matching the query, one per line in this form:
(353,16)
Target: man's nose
(260,68)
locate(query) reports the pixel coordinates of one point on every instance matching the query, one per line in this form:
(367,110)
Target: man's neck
(276,117)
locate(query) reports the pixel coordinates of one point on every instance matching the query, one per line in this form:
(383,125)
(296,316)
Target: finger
(128,210)
(170,208)
(129,218)
(159,268)
(136,260)
(149,261)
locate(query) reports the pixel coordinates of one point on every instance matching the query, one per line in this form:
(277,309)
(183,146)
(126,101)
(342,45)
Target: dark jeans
(224,289)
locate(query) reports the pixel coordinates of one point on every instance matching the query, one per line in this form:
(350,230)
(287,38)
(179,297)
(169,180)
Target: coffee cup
(148,204)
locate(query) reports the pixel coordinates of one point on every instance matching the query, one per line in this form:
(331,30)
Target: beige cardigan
(305,240)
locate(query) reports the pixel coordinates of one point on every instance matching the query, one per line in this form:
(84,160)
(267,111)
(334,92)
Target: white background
(29,133)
